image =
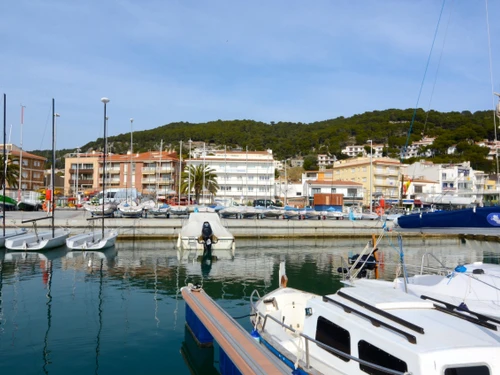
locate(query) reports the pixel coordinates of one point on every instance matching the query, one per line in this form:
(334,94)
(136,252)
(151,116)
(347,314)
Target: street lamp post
(286,186)
(105,101)
(20,188)
(371,175)
(131,152)
(77,166)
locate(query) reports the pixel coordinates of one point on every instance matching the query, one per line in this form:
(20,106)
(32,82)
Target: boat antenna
(403,151)
(4,157)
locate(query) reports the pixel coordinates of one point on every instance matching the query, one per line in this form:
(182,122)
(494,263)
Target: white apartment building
(325,160)
(242,175)
(455,183)
(415,148)
(357,150)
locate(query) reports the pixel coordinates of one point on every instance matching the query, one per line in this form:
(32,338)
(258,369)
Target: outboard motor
(207,238)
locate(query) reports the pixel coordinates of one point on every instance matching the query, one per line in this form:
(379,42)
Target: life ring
(379,210)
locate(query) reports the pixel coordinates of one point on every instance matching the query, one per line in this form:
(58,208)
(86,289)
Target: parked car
(263,202)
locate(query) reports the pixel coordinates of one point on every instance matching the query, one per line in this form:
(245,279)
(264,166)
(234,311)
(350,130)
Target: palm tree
(12,175)
(193,177)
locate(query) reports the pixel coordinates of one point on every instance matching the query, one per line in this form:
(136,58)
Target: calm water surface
(121,311)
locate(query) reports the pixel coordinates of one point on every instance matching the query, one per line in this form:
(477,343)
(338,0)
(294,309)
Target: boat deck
(244,351)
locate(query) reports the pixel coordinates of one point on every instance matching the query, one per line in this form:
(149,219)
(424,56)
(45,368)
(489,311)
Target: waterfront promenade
(162,228)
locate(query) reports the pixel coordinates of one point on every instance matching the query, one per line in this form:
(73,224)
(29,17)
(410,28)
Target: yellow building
(379,176)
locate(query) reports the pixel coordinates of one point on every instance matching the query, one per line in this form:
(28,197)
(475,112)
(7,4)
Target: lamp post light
(105,101)
(371,174)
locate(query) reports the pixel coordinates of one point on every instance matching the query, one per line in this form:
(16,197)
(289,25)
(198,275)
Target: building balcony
(82,170)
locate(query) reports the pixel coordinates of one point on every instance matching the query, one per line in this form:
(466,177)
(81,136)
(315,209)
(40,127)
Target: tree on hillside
(12,175)
(311,163)
(192,178)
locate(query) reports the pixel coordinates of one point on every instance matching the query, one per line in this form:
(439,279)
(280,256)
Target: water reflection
(113,311)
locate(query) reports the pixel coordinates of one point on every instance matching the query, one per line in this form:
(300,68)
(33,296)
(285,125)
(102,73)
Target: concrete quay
(147,228)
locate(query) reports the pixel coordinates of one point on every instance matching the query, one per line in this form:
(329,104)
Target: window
(250,188)
(316,190)
(333,190)
(472,370)
(377,356)
(352,192)
(334,336)
(36,163)
(418,189)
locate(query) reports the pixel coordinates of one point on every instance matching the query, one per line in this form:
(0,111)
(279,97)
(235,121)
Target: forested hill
(287,139)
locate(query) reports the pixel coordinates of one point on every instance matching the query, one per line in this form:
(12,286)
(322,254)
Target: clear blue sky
(161,61)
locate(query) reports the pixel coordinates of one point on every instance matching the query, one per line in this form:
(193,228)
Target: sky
(162,61)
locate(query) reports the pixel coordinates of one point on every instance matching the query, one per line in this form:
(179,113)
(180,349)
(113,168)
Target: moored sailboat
(46,239)
(103,238)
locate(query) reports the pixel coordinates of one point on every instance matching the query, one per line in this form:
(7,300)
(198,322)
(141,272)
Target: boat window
(333,335)
(472,370)
(377,356)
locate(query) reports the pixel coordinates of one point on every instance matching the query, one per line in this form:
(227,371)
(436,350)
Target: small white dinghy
(95,239)
(48,239)
(360,330)
(36,240)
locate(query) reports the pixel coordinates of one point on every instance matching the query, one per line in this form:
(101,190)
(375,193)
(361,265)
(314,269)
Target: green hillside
(288,139)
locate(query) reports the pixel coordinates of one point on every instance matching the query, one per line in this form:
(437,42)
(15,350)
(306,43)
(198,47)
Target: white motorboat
(471,287)
(360,330)
(189,236)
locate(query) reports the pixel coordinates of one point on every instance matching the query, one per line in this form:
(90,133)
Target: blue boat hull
(479,217)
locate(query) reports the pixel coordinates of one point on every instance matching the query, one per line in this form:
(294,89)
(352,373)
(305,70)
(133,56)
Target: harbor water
(121,312)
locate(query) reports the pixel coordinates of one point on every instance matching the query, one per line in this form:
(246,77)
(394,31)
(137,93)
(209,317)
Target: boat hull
(92,240)
(9,234)
(42,241)
(479,220)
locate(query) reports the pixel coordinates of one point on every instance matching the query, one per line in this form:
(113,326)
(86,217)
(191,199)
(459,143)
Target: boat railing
(308,339)
(344,264)
(425,258)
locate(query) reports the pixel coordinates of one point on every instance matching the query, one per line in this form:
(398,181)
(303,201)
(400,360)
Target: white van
(114,195)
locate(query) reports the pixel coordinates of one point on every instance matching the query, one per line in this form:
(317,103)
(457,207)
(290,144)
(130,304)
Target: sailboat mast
(180,171)
(53,176)
(105,148)
(4,158)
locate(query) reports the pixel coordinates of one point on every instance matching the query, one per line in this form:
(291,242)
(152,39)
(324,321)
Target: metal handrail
(320,344)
